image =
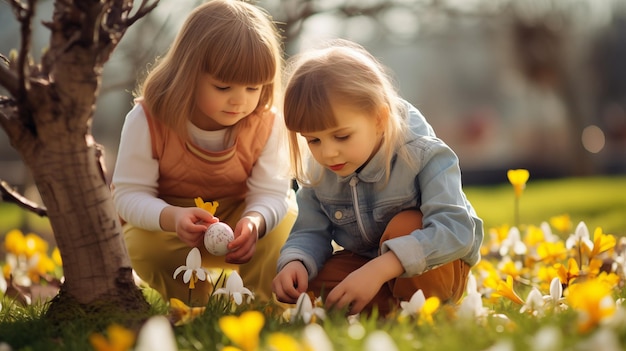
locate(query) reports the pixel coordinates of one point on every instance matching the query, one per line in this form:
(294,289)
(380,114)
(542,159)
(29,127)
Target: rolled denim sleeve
(448,227)
(310,237)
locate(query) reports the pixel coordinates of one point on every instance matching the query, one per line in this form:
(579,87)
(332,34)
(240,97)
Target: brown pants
(447,282)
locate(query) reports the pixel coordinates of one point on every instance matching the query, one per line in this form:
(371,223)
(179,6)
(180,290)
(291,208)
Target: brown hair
(343,72)
(233,41)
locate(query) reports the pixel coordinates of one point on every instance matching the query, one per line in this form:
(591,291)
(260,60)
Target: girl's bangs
(308,108)
(251,62)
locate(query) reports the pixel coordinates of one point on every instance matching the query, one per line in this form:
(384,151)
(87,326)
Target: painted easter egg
(217,237)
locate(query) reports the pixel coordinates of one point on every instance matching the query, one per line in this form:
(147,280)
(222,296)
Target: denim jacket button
(338,215)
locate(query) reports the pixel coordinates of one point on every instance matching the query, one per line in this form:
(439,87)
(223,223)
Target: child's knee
(403,223)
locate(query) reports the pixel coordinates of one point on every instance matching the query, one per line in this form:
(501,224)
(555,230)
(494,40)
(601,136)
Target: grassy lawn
(598,201)
(590,314)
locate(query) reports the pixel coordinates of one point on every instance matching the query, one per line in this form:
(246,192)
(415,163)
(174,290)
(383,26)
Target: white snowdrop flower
(603,339)
(580,237)
(379,340)
(156,334)
(547,339)
(192,268)
(235,289)
(513,244)
(316,339)
(472,307)
(414,305)
(534,302)
(304,310)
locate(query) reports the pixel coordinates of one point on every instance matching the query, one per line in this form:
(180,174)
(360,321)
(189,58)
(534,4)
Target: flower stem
(516,210)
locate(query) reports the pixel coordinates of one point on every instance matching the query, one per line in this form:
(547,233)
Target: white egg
(217,237)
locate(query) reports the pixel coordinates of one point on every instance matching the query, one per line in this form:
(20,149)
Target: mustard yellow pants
(156,255)
(447,282)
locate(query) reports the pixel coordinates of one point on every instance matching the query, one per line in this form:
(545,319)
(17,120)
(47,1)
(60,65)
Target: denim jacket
(355,210)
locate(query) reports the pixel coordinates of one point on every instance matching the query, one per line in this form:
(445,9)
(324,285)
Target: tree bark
(48,121)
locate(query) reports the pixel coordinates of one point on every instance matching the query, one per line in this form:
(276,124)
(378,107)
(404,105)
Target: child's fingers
(287,290)
(204,216)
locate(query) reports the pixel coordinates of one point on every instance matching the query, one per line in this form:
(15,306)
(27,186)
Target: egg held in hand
(217,237)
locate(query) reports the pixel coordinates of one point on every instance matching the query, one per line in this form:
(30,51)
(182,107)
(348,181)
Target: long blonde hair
(341,71)
(233,41)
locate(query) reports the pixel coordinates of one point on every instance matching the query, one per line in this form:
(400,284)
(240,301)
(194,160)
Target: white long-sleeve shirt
(136,174)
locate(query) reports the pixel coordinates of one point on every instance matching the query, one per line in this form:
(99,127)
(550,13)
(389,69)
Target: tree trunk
(49,122)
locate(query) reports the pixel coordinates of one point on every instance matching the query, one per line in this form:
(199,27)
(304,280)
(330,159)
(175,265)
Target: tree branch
(19,85)
(17,131)
(11,195)
(24,14)
(118,19)
(8,79)
(144,9)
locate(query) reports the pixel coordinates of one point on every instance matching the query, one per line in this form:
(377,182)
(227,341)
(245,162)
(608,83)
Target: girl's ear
(382,118)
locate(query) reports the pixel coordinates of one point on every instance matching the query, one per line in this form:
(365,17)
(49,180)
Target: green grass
(598,201)
(14,217)
(26,330)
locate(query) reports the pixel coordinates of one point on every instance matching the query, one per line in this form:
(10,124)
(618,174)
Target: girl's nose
(329,151)
(238,97)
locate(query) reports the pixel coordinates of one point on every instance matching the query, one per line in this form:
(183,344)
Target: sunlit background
(533,84)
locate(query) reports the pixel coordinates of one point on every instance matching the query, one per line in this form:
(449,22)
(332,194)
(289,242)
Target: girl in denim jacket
(382,212)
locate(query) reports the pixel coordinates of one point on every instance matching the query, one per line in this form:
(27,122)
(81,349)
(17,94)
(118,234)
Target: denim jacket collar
(373,171)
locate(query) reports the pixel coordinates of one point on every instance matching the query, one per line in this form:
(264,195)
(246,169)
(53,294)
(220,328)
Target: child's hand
(290,282)
(189,223)
(360,286)
(354,292)
(242,248)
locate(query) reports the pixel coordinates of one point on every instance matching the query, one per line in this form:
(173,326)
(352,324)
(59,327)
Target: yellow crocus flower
(510,267)
(549,252)
(601,242)
(119,339)
(56,257)
(534,236)
(431,305)
(6,271)
(545,275)
(39,265)
(505,288)
(181,314)
(283,342)
(35,244)
(487,274)
(518,178)
(567,275)
(593,301)
(243,330)
(594,268)
(610,279)
(562,223)
(15,242)
(210,207)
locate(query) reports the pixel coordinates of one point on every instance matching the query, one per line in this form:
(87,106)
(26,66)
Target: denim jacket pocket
(340,215)
(384,212)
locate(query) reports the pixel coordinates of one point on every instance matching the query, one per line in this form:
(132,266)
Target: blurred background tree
(535,84)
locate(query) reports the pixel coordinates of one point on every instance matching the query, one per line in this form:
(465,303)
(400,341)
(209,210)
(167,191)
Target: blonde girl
(204,126)
(381,207)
